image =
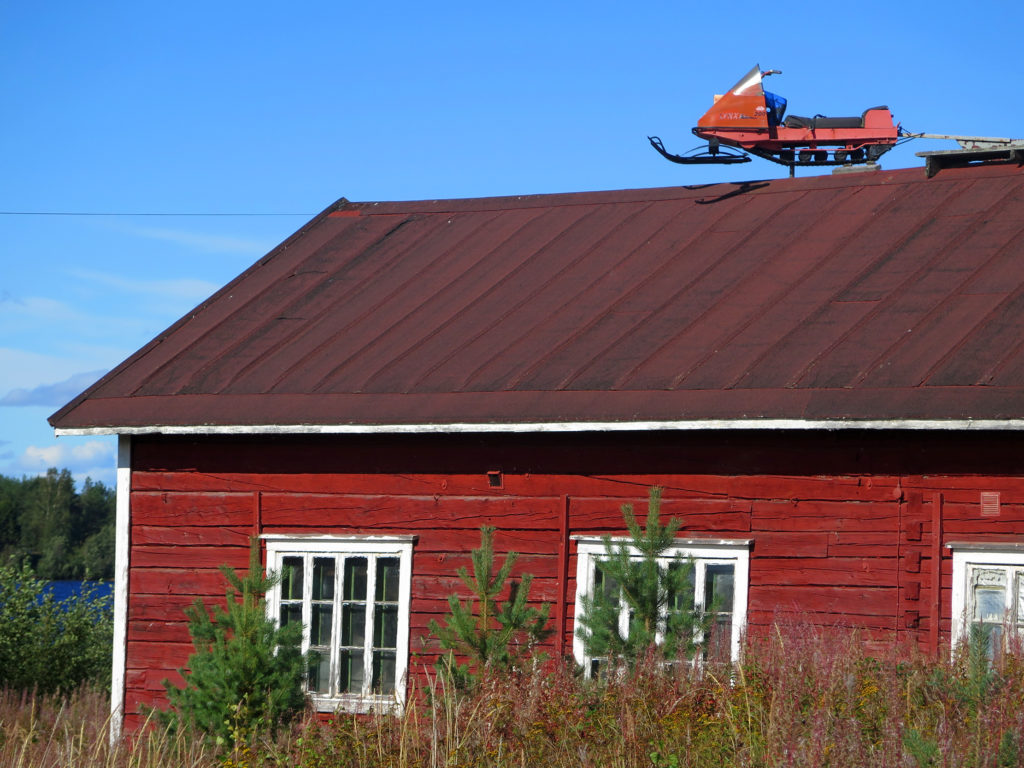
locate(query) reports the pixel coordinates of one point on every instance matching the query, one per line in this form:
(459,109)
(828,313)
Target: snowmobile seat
(820,121)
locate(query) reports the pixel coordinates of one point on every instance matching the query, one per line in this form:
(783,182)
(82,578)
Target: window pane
(291,613)
(718,588)
(719,638)
(992,636)
(323,578)
(606,585)
(387,579)
(353,624)
(385,626)
(681,594)
(355,578)
(989,604)
(351,672)
(291,578)
(319,680)
(320,628)
(384,671)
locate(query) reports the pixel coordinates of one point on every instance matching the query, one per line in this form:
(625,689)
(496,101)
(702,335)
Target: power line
(104,213)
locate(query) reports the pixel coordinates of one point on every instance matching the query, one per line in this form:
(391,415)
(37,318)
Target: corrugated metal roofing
(874,296)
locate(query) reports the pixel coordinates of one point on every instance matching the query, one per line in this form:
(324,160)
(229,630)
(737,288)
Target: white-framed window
(988,588)
(720,578)
(351,595)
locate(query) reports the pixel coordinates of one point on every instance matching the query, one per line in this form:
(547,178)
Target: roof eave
(562,426)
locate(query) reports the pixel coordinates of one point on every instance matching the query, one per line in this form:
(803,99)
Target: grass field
(801,697)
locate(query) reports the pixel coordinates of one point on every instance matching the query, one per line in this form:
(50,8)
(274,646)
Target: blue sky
(279,109)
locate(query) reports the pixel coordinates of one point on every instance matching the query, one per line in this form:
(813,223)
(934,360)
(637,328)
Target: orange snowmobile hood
(742,107)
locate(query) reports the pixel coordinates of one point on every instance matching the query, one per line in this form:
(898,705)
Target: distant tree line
(58,531)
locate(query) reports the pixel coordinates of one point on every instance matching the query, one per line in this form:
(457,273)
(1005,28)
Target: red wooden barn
(826,375)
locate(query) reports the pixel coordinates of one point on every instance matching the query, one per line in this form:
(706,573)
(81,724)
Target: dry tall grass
(802,698)
(73,732)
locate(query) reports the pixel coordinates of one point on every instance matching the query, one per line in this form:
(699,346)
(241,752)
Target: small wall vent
(989,504)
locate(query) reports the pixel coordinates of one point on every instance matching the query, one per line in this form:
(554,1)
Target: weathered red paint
(847,528)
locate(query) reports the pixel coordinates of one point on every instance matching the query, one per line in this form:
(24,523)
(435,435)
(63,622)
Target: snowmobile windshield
(750,83)
(776,108)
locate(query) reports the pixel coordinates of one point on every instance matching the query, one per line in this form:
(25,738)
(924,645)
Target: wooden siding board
(167,607)
(828,572)
(159,631)
(616,488)
(776,544)
(200,582)
(411,512)
(191,509)
(695,514)
(760,622)
(151,679)
(189,535)
(160,556)
(158,655)
(822,516)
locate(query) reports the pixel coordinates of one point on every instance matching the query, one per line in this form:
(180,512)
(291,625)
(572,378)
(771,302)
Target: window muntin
(988,588)
(351,595)
(719,578)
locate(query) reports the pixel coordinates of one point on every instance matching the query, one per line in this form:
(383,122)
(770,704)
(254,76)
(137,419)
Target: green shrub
(245,677)
(50,645)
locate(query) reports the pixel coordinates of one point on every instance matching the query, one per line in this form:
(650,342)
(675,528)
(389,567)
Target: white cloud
(82,457)
(91,458)
(38,308)
(36,323)
(204,242)
(56,394)
(192,290)
(22,369)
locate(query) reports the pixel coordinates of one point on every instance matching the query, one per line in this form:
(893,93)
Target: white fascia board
(596,543)
(122,523)
(554,426)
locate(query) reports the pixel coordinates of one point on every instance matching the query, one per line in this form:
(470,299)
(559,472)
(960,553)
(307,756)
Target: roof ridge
(655,194)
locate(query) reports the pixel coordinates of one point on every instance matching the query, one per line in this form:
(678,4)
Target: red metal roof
(873,296)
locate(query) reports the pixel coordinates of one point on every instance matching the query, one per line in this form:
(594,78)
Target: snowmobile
(751,119)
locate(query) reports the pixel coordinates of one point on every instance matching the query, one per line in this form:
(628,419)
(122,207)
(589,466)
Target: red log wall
(842,523)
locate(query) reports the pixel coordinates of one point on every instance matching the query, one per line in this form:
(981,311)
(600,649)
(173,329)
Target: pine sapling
(487,634)
(656,589)
(245,676)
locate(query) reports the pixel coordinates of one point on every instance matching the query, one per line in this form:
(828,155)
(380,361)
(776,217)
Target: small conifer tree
(245,676)
(486,634)
(658,595)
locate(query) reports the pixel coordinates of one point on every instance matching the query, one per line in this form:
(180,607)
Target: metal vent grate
(989,503)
